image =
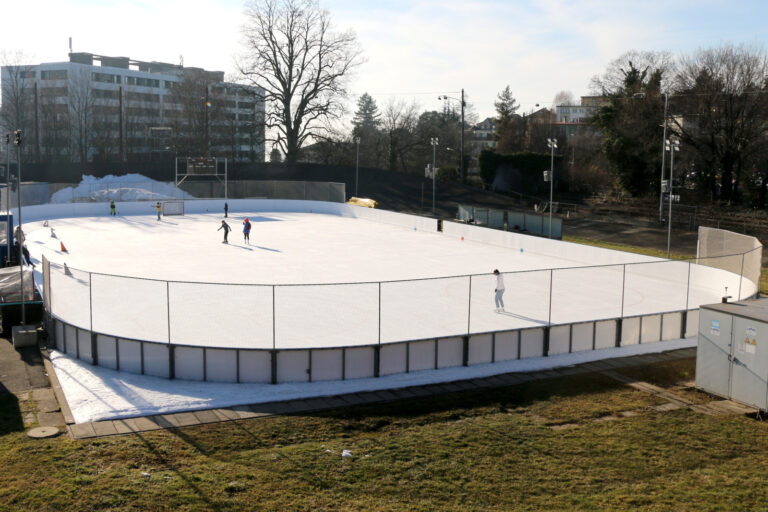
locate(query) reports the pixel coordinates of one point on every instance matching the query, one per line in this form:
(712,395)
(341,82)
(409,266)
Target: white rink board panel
(450,352)
(507,346)
(220,365)
(480,349)
(581,336)
(421,355)
(358,363)
(393,359)
(255,366)
(559,339)
(156,360)
(84,346)
(129,355)
(327,364)
(531,343)
(106,347)
(189,363)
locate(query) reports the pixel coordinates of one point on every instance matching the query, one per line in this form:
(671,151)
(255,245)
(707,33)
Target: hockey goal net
(173,207)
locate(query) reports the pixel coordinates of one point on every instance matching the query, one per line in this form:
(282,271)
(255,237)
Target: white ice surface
(95,393)
(320,249)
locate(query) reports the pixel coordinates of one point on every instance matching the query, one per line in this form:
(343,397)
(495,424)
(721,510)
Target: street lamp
(463,104)
(8,224)
(433,141)
(663,158)
(357,163)
(672,146)
(552,145)
(17,143)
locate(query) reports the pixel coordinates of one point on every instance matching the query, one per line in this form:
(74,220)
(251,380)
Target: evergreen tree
(367,116)
(506,108)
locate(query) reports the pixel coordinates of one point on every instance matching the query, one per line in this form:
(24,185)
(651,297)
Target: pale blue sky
(414,49)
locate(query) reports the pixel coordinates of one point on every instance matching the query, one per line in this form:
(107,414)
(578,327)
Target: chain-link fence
(513,221)
(45,193)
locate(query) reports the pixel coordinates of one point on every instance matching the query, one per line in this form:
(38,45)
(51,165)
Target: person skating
(159,209)
(499,298)
(247,231)
(226,229)
(226,209)
(112,210)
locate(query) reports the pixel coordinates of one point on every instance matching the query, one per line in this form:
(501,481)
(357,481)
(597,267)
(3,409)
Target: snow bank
(128,187)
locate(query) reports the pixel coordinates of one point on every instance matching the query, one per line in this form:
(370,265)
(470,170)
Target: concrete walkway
(22,373)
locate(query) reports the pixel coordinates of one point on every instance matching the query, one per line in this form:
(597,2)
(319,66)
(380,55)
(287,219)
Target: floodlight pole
(357,163)
(552,143)
(672,147)
(433,141)
(463,106)
(663,159)
(8,223)
(17,142)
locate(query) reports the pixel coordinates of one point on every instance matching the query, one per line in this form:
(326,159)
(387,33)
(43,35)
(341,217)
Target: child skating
(226,229)
(247,231)
(159,209)
(112,210)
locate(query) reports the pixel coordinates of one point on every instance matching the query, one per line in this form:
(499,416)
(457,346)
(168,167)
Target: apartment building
(96,107)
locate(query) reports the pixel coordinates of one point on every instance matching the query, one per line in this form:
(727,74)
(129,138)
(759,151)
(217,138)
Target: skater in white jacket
(499,298)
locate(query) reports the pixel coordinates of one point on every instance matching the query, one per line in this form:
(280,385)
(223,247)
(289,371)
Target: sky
(413,50)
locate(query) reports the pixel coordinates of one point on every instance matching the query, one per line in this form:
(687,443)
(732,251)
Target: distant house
(574,119)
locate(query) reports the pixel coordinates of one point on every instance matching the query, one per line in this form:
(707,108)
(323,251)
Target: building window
(54,74)
(245,104)
(106,78)
(26,74)
(142,82)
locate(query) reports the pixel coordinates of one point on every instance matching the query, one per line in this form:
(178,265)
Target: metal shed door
(713,366)
(750,362)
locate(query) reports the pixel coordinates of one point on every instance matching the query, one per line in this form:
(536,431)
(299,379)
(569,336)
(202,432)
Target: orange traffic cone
(63,249)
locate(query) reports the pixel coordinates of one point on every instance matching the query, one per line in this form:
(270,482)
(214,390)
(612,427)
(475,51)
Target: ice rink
(322,280)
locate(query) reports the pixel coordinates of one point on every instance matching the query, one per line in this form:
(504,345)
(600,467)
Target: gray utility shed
(732,356)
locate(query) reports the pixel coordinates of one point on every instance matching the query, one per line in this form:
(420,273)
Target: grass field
(585,442)
(545,445)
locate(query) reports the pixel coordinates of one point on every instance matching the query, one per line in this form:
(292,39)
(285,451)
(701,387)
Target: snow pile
(128,187)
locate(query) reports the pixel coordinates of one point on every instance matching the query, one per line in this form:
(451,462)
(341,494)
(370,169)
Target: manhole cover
(43,432)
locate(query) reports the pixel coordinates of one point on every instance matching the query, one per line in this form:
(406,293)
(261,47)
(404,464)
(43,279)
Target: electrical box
(732,353)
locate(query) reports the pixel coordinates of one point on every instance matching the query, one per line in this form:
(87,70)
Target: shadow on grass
(211,505)
(452,405)
(10,412)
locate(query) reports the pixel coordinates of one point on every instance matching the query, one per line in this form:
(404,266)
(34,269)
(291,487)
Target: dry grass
(485,450)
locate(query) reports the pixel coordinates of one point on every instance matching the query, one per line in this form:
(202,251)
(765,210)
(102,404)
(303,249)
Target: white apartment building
(118,109)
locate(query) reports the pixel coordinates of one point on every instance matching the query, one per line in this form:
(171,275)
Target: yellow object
(359,201)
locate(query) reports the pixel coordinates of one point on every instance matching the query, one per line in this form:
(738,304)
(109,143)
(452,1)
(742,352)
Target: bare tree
(17,112)
(399,121)
(81,108)
(613,80)
(722,94)
(563,98)
(292,52)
